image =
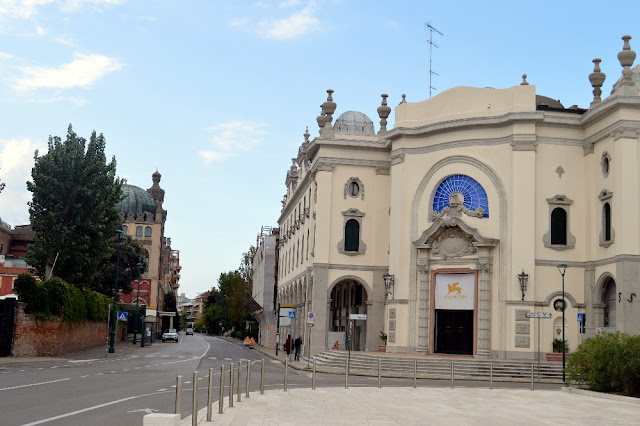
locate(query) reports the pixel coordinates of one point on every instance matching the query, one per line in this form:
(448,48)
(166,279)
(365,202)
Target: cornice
(590,264)
(351,267)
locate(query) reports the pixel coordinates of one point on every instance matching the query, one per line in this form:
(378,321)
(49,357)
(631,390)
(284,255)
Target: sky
(216,95)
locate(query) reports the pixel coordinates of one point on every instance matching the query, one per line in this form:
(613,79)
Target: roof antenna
(431,30)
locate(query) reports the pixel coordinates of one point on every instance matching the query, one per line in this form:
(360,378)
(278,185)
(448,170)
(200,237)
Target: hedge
(55,297)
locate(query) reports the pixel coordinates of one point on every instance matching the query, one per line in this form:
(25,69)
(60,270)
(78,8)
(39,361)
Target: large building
(264,285)
(447,229)
(13,248)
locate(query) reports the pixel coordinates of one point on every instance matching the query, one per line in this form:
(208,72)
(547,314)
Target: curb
(601,395)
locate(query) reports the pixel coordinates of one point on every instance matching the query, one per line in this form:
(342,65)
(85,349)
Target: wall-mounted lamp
(630,299)
(523,278)
(388,285)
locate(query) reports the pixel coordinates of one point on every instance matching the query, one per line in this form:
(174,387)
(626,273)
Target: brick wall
(36,337)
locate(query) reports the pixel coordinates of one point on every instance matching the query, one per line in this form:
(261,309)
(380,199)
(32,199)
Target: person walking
(298,345)
(287,346)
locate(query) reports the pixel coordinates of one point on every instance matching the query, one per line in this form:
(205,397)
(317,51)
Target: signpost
(352,318)
(285,314)
(539,315)
(311,321)
(122,316)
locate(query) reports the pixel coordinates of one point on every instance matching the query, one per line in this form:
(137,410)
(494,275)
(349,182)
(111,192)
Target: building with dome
(480,206)
(144,219)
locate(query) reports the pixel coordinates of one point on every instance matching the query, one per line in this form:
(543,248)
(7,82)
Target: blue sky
(216,94)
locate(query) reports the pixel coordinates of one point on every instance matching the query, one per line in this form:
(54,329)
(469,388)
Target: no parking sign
(311,319)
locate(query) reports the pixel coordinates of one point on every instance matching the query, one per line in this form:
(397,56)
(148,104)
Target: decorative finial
(322,118)
(524,80)
(404,99)
(383,113)
(626,57)
(329,107)
(597,79)
(306,135)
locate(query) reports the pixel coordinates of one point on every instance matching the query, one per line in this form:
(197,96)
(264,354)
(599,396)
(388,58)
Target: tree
(246,266)
(170,305)
(73,209)
(131,253)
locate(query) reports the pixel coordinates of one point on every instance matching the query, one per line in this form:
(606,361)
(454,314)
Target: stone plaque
(522,328)
(392,336)
(392,313)
(521,315)
(392,324)
(522,341)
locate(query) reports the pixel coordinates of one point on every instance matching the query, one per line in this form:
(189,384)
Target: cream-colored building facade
(447,229)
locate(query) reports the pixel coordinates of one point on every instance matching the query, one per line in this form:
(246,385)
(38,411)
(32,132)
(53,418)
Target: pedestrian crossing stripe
(122,316)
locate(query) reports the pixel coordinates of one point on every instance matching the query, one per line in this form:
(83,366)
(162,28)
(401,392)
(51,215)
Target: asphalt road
(89,389)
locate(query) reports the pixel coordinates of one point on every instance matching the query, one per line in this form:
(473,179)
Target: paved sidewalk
(411,406)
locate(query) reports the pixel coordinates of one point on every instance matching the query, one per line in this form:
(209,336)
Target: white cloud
(4,55)
(25,9)
(231,138)
(66,40)
(289,3)
(83,71)
(295,25)
(40,31)
(16,162)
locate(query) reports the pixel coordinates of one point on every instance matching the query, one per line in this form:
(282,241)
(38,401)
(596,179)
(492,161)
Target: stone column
(320,306)
(484,306)
(423,312)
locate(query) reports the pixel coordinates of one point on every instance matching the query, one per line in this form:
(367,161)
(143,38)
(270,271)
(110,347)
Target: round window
(354,189)
(558,304)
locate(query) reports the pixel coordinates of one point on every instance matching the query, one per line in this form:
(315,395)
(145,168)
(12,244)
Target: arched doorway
(609,300)
(348,297)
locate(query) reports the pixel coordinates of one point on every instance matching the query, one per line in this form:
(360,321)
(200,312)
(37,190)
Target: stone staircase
(437,368)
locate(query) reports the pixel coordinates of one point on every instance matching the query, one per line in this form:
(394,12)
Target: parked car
(189,331)
(170,334)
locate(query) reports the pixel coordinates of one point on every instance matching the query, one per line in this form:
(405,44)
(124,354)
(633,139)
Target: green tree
(131,253)
(170,305)
(73,209)
(234,292)
(246,266)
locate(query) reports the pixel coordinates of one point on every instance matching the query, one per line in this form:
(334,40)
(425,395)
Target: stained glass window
(473,193)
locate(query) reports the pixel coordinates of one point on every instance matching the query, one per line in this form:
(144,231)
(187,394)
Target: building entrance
(454,332)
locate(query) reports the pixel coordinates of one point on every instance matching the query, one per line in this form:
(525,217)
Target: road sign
(598,331)
(358,317)
(311,319)
(292,314)
(539,315)
(285,315)
(122,316)
(580,317)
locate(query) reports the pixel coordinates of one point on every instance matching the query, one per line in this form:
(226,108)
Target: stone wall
(37,337)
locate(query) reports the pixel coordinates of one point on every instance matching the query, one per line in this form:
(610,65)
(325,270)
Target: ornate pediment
(450,237)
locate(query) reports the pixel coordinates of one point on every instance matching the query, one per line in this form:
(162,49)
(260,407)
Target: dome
(136,200)
(354,123)
(544,101)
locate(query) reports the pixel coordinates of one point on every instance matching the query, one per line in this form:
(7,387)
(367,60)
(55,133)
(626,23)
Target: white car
(170,334)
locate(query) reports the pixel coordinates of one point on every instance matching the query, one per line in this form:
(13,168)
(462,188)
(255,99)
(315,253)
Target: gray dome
(354,123)
(136,200)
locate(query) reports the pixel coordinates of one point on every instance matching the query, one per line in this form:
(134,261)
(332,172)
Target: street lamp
(114,318)
(563,268)
(523,278)
(388,285)
(137,321)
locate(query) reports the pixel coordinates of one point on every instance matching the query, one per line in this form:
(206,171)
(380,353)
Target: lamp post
(137,321)
(388,285)
(523,278)
(114,317)
(563,268)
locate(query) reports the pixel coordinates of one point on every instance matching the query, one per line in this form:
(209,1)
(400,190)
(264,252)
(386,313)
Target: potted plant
(556,355)
(383,338)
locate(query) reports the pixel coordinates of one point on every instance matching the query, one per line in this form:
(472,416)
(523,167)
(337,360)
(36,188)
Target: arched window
(147,232)
(606,218)
(464,191)
(139,231)
(351,235)
(559,226)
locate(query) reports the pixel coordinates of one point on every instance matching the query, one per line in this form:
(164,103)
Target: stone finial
(306,135)
(404,99)
(597,79)
(322,118)
(383,112)
(524,80)
(329,107)
(626,57)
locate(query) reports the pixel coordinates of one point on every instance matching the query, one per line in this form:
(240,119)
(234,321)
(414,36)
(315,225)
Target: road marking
(126,369)
(41,368)
(173,386)
(36,384)
(275,362)
(137,368)
(21,370)
(82,377)
(82,360)
(57,366)
(213,358)
(143,410)
(187,382)
(228,359)
(112,372)
(162,390)
(99,374)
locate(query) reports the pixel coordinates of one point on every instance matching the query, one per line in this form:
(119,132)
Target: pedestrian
(287,345)
(298,345)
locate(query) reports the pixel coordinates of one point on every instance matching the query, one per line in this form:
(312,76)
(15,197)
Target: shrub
(609,363)
(557,345)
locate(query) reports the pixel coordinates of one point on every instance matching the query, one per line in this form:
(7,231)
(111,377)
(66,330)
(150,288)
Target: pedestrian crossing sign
(122,316)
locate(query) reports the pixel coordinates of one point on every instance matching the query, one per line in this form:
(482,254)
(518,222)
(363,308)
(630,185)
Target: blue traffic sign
(122,316)
(292,314)
(580,317)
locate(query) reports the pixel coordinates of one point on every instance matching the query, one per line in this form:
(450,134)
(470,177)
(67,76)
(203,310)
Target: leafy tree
(73,210)
(131,253)
(246,266)
(170,305)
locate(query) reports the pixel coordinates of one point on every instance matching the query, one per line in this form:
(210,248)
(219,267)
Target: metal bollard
(194,412)
(379,372)
(346,374)
(452,374)
(239,381)
(491,375)
(415,372)
(531,376)
(248,377)
(286,373)
(231,385)
(262,378)
(313,376)
(178,394)
(210,398)
(221,398)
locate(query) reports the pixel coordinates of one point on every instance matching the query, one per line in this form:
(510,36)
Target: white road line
(99,374)
(113,371)
(213,358)
(21,370)
(82,360)
(162,390)
(84,410)
(36,384)
(228,359)
(82,377)
(187,382)
(57,366)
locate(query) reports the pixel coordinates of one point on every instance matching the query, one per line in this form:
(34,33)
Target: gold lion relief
(454,287)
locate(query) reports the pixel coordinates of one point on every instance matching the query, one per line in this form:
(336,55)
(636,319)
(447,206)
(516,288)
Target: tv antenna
(431,30)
